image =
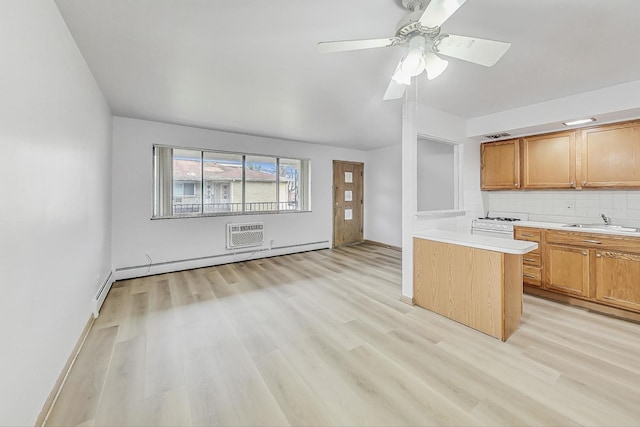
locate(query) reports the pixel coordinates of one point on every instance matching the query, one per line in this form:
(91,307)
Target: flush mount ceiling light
(420,32)
(579,122)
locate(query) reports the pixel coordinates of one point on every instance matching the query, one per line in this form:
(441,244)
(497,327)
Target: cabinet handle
(593,241)
(529,259)
(572,184)
(584,183)
(599,256)
(585,253)
(530,276)
(526,235)
(515,185)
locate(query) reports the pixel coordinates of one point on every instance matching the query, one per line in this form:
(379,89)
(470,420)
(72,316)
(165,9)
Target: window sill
(441,214)
(153,218)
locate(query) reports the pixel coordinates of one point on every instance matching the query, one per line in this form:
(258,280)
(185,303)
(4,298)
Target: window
(184,189)
(198,182)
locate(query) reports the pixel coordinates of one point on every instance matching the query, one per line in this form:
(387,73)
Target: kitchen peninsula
(474,280)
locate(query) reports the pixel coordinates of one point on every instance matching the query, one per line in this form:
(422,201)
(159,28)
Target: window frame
(304,183)
(458,190)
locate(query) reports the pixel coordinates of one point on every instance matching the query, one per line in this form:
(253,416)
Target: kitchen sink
(609,227)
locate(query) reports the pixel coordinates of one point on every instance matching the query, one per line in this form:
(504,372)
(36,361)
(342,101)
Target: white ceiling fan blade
(395,90)
(480,51)
(345,45)
(438,11)
(398,84)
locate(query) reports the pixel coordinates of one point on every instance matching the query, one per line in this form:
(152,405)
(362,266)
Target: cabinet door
(567,270)
(618,279)
(610,156)
(549,161)
(500,165)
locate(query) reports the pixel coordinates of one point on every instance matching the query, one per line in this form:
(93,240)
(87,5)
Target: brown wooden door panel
(567,269)
(549,161)
(348,202)
(500,165)
(618,279)
(610,156)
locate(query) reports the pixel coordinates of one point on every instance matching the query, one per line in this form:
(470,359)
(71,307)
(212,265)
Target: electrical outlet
(570,204)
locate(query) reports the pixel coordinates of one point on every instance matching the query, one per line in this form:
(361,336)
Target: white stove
(497,224)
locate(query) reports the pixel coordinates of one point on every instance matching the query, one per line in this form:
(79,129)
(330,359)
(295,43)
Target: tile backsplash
(568,206)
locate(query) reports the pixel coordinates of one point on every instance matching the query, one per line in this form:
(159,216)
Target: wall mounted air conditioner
(245,235)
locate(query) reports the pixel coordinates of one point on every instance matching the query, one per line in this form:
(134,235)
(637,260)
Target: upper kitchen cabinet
(610,156)
(500,165)
(549,161)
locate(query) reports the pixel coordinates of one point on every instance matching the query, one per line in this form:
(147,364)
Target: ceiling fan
(420,32)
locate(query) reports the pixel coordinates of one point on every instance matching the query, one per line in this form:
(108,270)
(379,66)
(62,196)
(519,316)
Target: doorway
(348,202)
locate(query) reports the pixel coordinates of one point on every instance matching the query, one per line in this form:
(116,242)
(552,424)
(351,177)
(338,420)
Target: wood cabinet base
(592,306)
(479,288)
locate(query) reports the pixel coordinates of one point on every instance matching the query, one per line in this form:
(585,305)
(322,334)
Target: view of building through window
(208,182)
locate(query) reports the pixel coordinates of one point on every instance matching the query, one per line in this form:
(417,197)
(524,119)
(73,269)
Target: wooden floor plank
(321,338)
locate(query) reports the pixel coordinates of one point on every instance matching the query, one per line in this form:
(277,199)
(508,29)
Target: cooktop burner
(500,218)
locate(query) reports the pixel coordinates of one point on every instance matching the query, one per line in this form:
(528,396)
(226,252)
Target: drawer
(528,234)
(532,258)
(594,240)
(531,275)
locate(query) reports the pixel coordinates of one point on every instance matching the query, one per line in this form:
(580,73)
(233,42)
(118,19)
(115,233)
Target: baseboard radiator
(245,235)
(101,295)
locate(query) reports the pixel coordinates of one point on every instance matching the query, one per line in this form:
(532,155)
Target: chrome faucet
(606,219)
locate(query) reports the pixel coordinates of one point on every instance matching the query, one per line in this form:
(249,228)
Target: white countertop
(515,247)
(561,226)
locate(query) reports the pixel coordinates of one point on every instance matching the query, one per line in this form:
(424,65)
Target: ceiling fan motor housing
(415,4)
(410,25)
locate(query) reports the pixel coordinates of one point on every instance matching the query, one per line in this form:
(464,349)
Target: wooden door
(500,165)
(549,161)
(567,270)
(610,156)
(348,207)
(618,279)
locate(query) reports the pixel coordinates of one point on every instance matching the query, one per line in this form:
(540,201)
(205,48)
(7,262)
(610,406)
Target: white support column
(409,182)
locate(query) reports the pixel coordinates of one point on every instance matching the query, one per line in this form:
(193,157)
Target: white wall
(135,235)
(430,123)
(383,196)
(614,103)
(55,134)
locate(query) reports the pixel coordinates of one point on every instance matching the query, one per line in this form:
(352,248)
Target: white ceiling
(251,66)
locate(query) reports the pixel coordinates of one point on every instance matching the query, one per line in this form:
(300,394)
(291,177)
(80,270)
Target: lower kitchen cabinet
(597,271)
(532,261)
(531,275)
(618,279)
(567,270)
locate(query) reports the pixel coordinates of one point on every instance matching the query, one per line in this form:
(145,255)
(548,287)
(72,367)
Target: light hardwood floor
(321,338)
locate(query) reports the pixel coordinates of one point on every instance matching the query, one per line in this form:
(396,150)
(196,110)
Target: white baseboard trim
(101,295)
(407,300)
(57,387)
(122,273)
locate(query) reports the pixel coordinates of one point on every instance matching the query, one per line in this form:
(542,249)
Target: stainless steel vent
(498,135)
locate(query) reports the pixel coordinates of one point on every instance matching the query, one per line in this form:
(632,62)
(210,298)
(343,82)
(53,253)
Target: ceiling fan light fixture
(413,62)
(434,65)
